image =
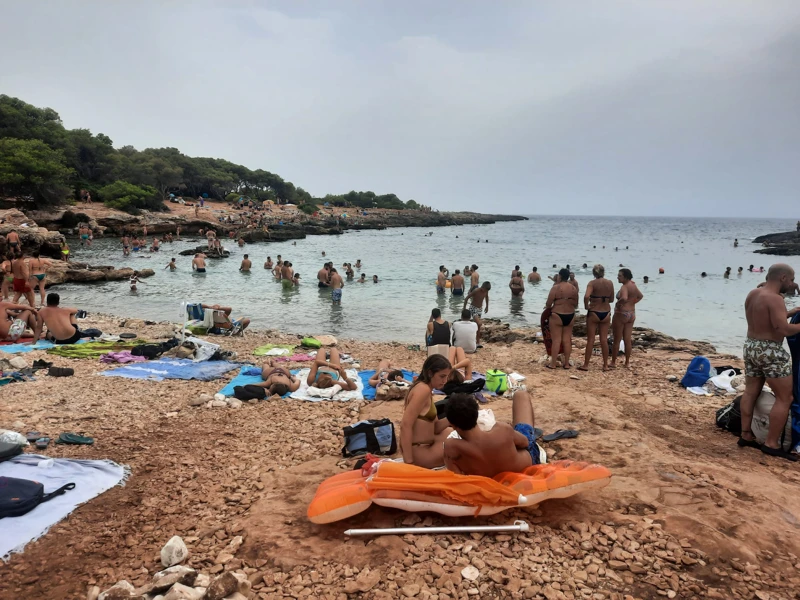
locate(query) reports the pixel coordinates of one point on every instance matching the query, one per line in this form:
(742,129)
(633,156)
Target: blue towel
(369,391)
(247,376)
(173,368)
(28,347)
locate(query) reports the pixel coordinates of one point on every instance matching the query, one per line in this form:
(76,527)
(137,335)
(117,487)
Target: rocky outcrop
(206,251)
(32,236)
(779,244)
(61,272)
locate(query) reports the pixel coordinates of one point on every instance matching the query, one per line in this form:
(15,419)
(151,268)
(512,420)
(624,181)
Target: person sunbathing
(459,360)
(277,381)
(223,322)
(15,319)
(325,374)
(487,453)
(383,374)
(421,431)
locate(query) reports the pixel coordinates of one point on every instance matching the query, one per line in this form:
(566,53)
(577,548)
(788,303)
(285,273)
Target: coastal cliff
(779,244)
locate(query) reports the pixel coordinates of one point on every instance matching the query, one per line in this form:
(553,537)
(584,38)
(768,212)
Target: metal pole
(520,526)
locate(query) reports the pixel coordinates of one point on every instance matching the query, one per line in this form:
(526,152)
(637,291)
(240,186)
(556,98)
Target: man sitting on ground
(487,453)
(61,325)
(465,332)
(223,322)
(15,318)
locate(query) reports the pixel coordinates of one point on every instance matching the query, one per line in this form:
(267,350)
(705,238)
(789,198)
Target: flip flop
(779,453)
(32,436)
(561,434)
(127,336)
(61,372)
(74,438)
(42,443)
(743,443)
(548,366)
(537,433)
(582,368)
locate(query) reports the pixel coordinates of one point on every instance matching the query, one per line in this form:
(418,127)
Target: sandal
(74,438)
(561,434)
(43,443)
(743,443)
(32,436)
(779,453)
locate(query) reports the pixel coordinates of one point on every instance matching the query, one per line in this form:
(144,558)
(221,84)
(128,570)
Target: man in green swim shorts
(765,359)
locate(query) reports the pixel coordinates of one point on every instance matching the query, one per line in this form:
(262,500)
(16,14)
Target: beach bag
(496,381)
(451,387)
(20,496)
(729,417)
(697,373)
(9,450)
(310,342)
(375,436)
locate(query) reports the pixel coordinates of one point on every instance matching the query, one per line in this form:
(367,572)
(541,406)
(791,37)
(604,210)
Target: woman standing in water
(563,300)
(624,315)
(597,300)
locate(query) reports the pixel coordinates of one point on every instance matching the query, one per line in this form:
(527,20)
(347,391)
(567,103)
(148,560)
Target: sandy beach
(687,513)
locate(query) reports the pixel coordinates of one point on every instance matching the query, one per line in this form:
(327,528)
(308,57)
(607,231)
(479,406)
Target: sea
(678,302)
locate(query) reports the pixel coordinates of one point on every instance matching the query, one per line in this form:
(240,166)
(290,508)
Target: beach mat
(369,391)
(91,478)
(265,349)
(173,368)
(84,349)
(22,347)
(248,375)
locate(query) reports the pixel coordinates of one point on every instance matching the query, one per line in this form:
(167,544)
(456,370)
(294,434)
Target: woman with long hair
(562,301)
(628,297)
(597,300)
(421,431)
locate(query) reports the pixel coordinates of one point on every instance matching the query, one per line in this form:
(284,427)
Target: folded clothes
(121,357)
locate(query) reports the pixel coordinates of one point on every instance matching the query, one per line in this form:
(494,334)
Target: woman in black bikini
(598,299)
(563,300)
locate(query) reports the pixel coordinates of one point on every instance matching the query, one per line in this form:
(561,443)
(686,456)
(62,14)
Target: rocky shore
(687,514)
(779,244)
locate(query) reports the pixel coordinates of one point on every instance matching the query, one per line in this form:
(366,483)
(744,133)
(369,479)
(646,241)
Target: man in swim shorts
(324,276)
(336,287)
(441,281)
(474,278)
(12,239)
(61,325)
(477,297)
(457,283)
(246,264)
(287,275)
(199,263)
(765,359)
(504,448)
(533,276)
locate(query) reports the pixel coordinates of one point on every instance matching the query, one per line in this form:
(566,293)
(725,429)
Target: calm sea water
(679,303)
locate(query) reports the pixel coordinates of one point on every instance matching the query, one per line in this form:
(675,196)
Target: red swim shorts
(20,285)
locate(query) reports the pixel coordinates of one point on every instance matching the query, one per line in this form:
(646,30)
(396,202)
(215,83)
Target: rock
(223,558)
(410,591)
(218,403)
(237,596)
(174,552)
(119,591)
(182,592)
(18,426)
(222,587)
(93,593)
(219,396)
(165,579)
(244,583)
(233,402)
(326,340)
(18,362)
(365,581)
(470,573)
(200,400)
(202,580)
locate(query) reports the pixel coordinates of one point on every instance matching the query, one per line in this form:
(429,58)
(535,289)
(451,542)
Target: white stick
(520,526)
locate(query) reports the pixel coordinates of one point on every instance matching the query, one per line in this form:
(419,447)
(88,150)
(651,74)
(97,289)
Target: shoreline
(212,474)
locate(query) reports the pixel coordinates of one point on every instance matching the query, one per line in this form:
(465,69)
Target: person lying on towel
(487,453)
(325,374)
(277,381)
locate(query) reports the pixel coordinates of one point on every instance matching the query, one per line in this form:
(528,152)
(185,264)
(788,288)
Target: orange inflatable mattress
(414,489)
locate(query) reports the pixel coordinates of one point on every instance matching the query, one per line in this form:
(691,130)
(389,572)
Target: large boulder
(33,237)
(60,272)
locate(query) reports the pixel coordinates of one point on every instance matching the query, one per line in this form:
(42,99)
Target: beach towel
(248,375)
(295,358)
(22,347)
(83,349)
(91,478)
(121,357)
(369,391)
(343,396)
(274,350)
(173,368)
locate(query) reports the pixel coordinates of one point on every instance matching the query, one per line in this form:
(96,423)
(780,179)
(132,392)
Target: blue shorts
(533,447)
(336,295)
(439,289)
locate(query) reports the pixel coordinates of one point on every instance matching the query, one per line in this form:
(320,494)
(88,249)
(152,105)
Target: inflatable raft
(415,489)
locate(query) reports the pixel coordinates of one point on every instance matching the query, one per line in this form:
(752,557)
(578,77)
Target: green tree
(129,197)
(32,169)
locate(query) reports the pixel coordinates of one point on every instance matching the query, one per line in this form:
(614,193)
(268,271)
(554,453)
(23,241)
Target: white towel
(342,396)
(326,393)
(91,478)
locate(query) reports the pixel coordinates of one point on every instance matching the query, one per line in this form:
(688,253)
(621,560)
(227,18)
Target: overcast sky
(536,107)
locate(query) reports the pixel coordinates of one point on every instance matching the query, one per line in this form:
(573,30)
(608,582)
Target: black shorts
(70,340)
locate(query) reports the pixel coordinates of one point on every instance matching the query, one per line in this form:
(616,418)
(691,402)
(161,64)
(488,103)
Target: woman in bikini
(327,373)
(562,300)
(624,315)
(597,300)
(385,372)
(38,267)
(422,433)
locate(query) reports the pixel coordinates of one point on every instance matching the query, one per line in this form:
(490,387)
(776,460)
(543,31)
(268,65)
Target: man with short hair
(287,275)
(766,360)
(465,332)
(533,276)
(474,278)
(199,263)
(61,325)
(478,296)
(12,239)
(246,264)
(501,449)
(457,283)
(441,281)
(324,276)
(336,286)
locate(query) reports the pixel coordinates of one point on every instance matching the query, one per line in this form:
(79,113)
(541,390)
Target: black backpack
(729,417)
(9,450)
(19,496)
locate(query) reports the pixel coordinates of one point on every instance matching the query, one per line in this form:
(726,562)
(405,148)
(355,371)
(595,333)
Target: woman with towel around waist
(422,433)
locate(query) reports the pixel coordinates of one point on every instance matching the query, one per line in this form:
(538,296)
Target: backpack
(697,373)
(729,417)
(20,496)
(9,450)
(496,381)
(375,436)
